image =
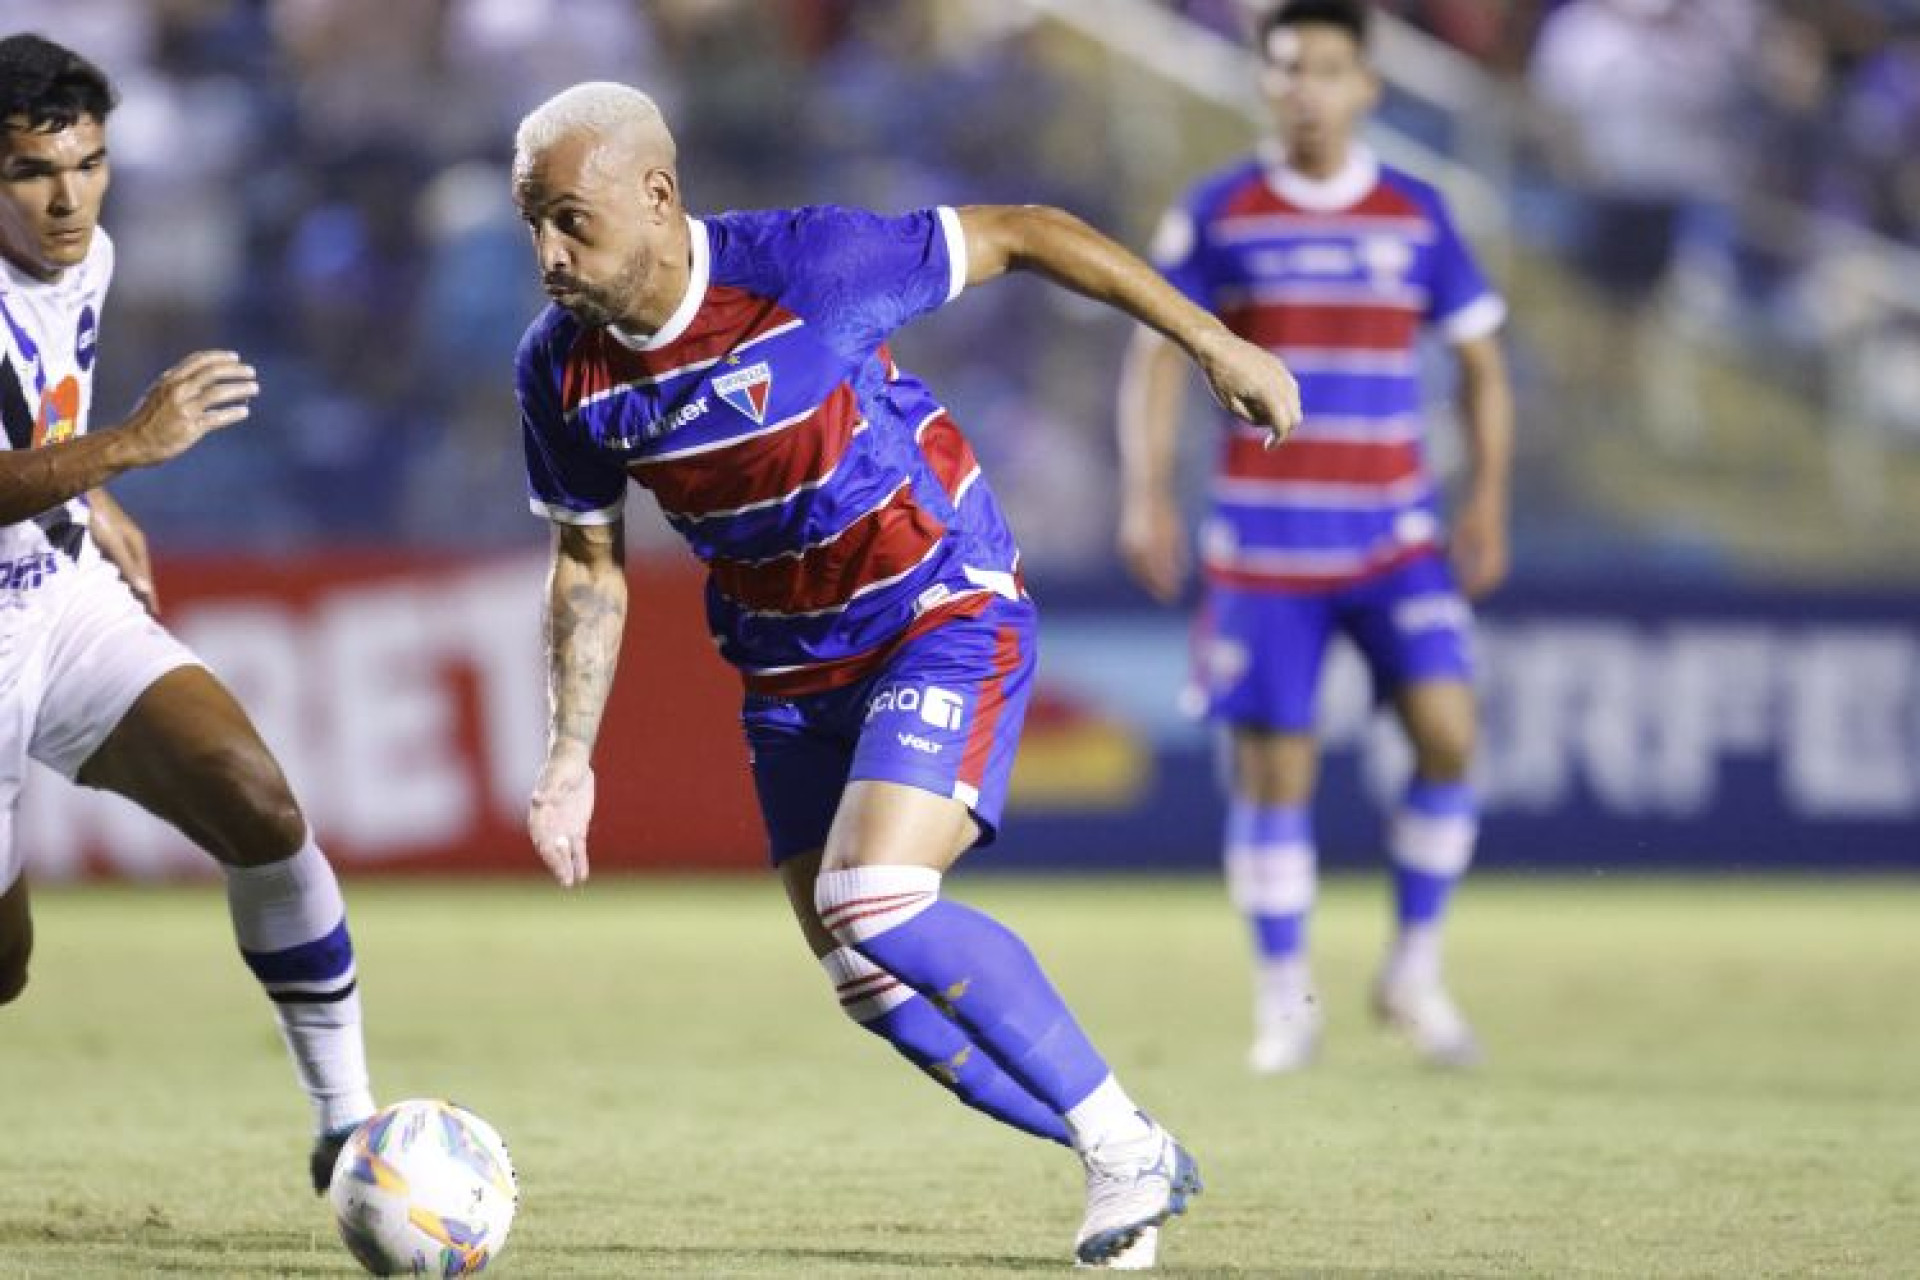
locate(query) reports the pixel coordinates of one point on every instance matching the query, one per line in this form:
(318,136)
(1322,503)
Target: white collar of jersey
(689,302)
(1343,190)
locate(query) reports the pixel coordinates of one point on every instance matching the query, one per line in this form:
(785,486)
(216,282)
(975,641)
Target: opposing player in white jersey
(91,685)
(1336,262)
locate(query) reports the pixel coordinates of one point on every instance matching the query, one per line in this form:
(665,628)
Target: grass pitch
(1686,1079)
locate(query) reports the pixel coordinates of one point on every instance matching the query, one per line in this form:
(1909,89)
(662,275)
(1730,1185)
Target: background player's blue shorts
(942,714)
(1259,653)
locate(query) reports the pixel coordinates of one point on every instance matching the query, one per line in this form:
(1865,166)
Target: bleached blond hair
(599,107)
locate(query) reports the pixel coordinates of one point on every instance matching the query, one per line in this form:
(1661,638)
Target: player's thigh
(1258,657)
(1441,719)
(16,936)
(185,751)
(797,876)
(1412,627)
(799,750)
(938,735)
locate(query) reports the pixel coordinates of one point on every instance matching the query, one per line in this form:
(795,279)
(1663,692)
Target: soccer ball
(424,1188)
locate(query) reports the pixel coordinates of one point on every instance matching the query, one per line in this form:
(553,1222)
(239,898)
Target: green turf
(1686,1078)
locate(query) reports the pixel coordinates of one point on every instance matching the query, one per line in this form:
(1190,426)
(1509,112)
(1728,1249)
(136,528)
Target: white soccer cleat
(1141,1255)
(1132,1187)
(1285,1039)
(1422,1011)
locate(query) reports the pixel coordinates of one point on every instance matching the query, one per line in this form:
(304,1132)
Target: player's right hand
(557,819)
(1153,544)
(205,392)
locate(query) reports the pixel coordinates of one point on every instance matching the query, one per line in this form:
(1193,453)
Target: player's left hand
(1479,545)
(1251,383)
(124,546)
(557,819)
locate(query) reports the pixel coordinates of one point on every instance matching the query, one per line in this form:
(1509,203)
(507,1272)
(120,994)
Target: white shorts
(76,650)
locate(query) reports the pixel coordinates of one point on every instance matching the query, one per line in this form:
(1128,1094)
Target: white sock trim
(865,990)
(1439,846)
(1271,880)
(859,903)
(1105,1115)
(286,903)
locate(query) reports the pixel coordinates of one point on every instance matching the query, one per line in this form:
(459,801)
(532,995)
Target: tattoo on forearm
(584,623)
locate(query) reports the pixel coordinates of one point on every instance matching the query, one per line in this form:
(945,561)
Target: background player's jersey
(1337,277)
(836,505)
(49,334)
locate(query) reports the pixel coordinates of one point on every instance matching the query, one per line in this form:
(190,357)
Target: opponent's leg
(16,940)
(1271,878)
(920,1032)
(1431,841)
(879,893)
(186,752)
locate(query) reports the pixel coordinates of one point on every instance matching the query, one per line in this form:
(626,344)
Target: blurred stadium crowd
(322,183)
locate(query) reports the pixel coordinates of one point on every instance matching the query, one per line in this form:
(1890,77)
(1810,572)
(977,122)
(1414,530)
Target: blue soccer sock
(935,1043)
(1431,842)
(292,928)
(1271,879)
(978,971)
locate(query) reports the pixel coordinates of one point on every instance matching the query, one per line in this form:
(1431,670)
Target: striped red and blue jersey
(835,503)
(1338,277)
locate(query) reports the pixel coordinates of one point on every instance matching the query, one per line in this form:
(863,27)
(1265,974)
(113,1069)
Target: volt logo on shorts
(941,708)
(918,743)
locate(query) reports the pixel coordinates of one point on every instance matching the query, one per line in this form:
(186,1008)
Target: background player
(1319,252)
(861,577)
(90,684)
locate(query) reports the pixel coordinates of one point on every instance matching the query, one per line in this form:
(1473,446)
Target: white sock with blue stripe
(291,924)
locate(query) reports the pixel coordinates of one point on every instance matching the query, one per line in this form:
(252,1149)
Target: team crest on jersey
(747,389)
(85,338)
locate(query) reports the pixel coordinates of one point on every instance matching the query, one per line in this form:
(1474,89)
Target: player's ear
(660,189)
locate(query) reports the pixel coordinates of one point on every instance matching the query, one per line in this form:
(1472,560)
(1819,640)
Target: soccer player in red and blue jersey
(861,578)
(1318,252)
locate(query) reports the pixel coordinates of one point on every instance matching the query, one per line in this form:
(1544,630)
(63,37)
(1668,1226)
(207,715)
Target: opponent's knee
(268,823)
(1444,754)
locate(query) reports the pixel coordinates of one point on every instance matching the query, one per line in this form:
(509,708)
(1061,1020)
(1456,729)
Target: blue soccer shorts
(942,713)
(1258,654)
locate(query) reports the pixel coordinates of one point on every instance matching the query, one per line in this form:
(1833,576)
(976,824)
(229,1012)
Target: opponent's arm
(1480,552)
(1153,535)
(586,613)
(205,392)
(1247,381)
(124,544)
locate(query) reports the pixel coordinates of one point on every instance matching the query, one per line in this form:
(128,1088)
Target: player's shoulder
(547,339)
(1213,191)
(1413,194)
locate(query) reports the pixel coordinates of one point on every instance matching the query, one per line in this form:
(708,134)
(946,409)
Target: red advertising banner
(406,700)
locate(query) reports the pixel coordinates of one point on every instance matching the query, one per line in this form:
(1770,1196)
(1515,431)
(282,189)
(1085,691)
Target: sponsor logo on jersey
(747,389)
(941,708)
(661,425)
(85,339)
(59,417)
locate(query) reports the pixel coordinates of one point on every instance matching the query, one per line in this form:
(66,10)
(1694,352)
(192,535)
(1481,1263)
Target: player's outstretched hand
(205,392)
(1252,384)
(557,819)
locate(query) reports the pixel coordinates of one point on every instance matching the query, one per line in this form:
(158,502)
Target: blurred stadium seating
(1709,654)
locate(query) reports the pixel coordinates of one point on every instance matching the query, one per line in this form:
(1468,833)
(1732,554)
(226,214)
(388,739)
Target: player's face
(598,228)
(52,182)
(1320,87)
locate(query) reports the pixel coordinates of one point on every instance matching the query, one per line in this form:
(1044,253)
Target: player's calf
(920,1033)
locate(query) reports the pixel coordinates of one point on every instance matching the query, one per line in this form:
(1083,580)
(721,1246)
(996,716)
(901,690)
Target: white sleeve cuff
(566,515)
(1480,318)
(956,251)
